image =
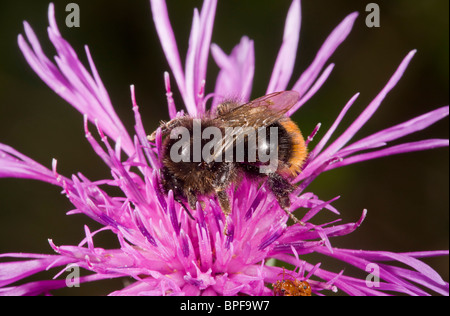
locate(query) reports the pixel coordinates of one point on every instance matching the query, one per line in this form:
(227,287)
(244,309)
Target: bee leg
(281,188)
(224,176)
(224,202)
(170,182)
(192,199)
(165,128)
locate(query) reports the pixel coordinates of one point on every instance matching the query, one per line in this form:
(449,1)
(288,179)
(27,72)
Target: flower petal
(236,72)
(16,165)
(342,140)
(393,150)
(333,41)
(284,63)
(416,124)
(197,55)
(70,80)
(11,272)
(168,42)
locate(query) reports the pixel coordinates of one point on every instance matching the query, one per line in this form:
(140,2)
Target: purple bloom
(161,248)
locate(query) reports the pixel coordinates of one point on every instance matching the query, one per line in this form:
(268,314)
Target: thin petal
(207,16)
(235,78)
(394,150)
(168,42)
(333,127)
(333,41)
(45,286)
(11,272)
(363,117)
(70,79)
(284,63)
(191,65)
(315,87)
(416,124)
(16,165)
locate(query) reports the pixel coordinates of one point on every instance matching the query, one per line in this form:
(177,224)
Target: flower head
(161,247)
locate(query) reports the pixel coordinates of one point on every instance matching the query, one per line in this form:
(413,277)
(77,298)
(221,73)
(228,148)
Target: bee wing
(280,101)
(257,113)
(262,111)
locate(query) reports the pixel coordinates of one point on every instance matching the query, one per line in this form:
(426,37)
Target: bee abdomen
(292,146)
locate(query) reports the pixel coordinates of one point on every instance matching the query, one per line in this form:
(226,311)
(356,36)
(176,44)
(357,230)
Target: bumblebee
(204,156)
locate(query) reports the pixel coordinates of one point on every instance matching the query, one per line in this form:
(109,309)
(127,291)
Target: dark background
(406,195)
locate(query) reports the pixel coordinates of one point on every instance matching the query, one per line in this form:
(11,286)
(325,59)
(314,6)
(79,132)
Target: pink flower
(161,248)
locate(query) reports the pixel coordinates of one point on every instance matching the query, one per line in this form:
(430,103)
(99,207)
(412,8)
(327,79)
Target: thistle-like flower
(161,247)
